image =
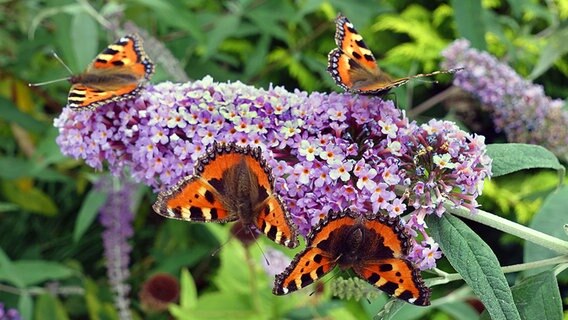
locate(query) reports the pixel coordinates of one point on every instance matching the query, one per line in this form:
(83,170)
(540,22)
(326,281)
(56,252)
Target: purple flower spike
(327,151)
(518,107)
(9,314)
(116,217)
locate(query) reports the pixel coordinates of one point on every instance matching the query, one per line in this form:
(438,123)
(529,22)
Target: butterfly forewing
(193,199)
(351,43)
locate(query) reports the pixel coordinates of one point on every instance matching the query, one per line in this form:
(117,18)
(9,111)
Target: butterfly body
(230,183)
(375,247)
(118,73)
(354,68)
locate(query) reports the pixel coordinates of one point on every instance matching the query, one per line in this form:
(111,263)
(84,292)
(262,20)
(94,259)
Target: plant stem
(253,283)
(36,291)
(448,277)
(510,227)
(424,106)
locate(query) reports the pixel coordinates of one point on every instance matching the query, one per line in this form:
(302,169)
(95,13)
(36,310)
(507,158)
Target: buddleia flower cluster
(327,151)
(518,107)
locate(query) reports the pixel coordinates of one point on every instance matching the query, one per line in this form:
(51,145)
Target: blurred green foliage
(51,262)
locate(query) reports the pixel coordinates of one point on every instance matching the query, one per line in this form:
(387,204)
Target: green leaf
(549,219)
(511,157)
(556,47)
(25,305)
(97,309)
(32,272)
(469,21)
(83,26)
(9,271)
(188,295)
(93,202)
(10,113)
(460,310)
(224,27)
(14,167)
(7,207)
(538,297)
(476,263)
(29,198)
(48,307)
(397,309)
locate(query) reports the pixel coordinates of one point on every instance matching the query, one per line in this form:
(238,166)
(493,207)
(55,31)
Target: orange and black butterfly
(118,73)
(230,183)
(354,68)
(375,247)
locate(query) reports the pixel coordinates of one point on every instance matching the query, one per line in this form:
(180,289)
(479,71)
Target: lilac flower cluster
(116,216)
(10,314)
(327,151)
(518,107)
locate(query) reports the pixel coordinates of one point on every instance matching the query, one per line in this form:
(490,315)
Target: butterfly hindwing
(272,219)
(116,74)
(193,199)
(307,267)
(396,277)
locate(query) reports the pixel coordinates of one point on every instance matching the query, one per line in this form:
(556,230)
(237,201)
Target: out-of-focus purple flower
(327,151)
(275,261)
(9,314)
(518,107)
(116,216)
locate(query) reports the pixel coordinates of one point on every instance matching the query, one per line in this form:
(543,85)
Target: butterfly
(230,183)
(374,246)
(354,68)
(118,73)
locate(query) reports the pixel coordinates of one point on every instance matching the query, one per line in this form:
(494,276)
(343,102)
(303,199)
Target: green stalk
(510,227)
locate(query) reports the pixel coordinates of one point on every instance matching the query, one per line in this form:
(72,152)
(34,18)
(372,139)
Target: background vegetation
(51,252)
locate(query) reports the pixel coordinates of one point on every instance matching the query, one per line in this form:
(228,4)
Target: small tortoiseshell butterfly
(375,247)
(118,73)
(230,183)
(354,68)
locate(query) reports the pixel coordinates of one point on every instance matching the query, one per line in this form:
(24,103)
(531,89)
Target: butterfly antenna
(221,246)
(56,80)
(46,82)
(259,247)
(54,54)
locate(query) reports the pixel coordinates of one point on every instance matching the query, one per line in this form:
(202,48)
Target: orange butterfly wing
(352,65)
(375,247)
(397,277)
(118,73)
(316,260)
(354,68)
(214,194)
(273,220)
(193,199)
